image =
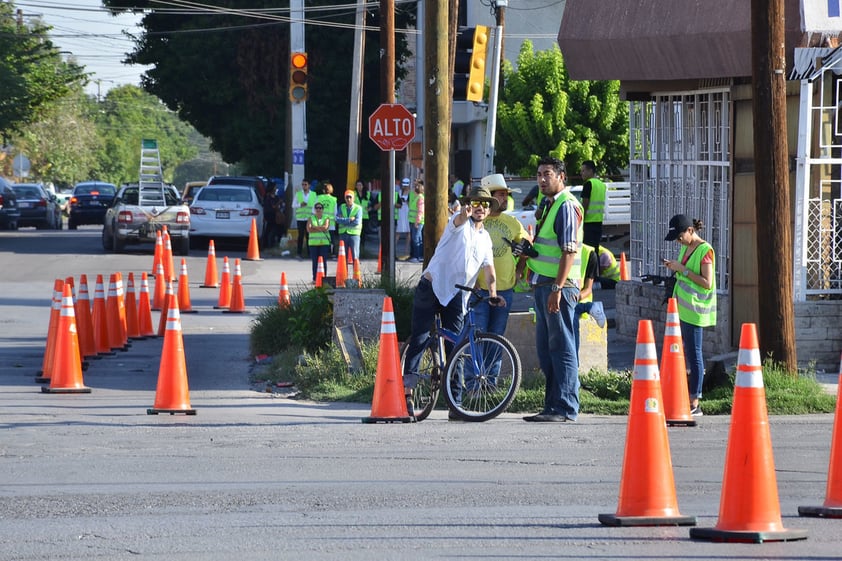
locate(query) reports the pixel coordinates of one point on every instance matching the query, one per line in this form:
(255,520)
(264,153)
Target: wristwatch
(555,288)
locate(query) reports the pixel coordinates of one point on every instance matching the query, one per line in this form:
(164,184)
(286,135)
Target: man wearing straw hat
(463,251)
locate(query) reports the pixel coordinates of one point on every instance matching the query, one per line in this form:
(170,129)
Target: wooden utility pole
(771,172)
(439,50)
(387,181)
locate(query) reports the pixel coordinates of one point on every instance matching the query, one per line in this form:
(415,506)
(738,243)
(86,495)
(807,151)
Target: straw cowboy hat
(481,194)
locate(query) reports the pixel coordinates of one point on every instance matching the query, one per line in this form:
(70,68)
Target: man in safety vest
(349,221)
(555,274)
(304,202)
(593,203)
(609,268)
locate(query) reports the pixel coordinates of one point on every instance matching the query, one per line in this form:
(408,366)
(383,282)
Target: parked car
(190,189)
(256,182)
(136,219)
(9,211)
(38,207)
(89,202)
(225,211)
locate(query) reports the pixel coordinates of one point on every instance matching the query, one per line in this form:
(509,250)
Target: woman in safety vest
(695,291)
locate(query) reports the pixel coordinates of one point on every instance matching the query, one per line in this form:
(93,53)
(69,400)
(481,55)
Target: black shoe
(410,407)
(546,418)
(452,416)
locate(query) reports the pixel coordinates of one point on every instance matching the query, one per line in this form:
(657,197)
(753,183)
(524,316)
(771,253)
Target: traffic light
(298,77)
(469,66)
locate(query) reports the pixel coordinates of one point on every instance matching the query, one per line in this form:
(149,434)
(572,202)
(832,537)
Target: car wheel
(106,239)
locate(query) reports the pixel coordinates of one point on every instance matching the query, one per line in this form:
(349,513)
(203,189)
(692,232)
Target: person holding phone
(695,291)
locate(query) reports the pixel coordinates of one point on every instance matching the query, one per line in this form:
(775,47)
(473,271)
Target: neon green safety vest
(364,202)
(346,212)
(319,238)
(546,243)
(612,271)
(304,212)
(696,305)
(596,206)
(329,202)
(586,255)
(413,206)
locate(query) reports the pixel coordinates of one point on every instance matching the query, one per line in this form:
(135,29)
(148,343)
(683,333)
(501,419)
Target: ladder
(151,188)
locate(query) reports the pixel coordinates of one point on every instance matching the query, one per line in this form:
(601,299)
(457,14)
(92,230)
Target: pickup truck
(615,224)
(134,217)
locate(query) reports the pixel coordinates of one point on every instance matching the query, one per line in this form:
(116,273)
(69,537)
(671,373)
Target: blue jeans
(425,305)
(353,243)
(493,319)
(416,250)
(581,308)
(556,346)
(317,251)
(691,336)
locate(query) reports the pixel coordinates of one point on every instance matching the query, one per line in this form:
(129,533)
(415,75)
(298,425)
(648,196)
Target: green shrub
(305,324)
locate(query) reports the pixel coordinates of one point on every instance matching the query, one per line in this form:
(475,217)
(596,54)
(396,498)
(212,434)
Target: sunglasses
(319,207)
(483,204)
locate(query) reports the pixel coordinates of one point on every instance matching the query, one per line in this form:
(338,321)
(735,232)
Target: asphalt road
(257,476)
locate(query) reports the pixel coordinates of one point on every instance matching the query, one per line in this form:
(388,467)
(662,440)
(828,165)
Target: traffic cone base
(647,486)
(388,404)
(820,511)
(734,536)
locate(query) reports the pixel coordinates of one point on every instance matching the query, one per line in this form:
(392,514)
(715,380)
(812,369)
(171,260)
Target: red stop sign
(391,126)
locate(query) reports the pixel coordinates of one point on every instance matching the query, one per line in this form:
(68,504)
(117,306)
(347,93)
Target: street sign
(391,126)
(21,166)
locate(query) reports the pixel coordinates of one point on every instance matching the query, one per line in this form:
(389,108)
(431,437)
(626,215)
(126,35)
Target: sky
(96,39)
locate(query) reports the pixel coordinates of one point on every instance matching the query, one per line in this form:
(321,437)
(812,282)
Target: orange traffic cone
(132,324)
(144,309)
(169,268)
(112,315)
(341,266)
(121,308)
(162,320)
(211,277)
(624,268)
(172,394)
(52,329)
(647,487)
(283,294)
(238,303)
(184,305)
(358,274)
(320,272)
(67,372)
(100,320)
(749,510)
(159,253)
(84,322)
(253,253)
(388,405)
(225,286)
(832,507)
(674,372)
(380,260)
(160,288)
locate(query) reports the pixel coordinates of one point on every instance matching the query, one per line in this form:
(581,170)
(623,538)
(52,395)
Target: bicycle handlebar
(475,292)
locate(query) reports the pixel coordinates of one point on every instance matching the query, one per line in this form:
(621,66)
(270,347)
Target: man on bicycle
(464,249)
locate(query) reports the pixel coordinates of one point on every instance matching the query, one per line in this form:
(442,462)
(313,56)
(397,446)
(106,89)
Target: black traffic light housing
(298,77)
(469,65)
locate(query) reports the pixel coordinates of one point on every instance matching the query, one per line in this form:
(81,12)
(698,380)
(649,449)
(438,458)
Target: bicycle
(481,375)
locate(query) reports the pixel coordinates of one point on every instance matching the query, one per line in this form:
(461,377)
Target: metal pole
(298,111)
(355,122)
(494,92)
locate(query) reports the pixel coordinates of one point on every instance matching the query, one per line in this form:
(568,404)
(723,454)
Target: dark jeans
(691,336)
(303,238)
(592,234)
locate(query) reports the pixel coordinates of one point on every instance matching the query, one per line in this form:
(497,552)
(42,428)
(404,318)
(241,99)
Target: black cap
(678,224)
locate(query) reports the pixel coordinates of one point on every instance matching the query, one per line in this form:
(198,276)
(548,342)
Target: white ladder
(151,186)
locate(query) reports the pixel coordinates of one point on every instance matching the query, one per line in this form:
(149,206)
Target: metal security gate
(818,189)
(680,164)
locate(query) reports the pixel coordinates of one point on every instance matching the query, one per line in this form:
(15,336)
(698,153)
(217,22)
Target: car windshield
(225,194)
(102,189)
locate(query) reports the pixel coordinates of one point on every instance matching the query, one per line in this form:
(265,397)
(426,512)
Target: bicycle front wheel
(426,393)
(480,385)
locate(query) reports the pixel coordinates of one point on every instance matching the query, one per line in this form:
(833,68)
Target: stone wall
(360,307)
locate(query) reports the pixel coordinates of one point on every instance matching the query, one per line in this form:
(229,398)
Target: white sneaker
(598,314)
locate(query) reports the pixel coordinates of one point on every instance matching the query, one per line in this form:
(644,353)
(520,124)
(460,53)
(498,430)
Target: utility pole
(776,327)
(355,122)
(387,158)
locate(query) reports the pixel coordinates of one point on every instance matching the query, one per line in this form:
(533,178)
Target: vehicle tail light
(125,217)
(94,193)
(197,210)
(2,201)
(182,218)
(74,201)
(41,202)
(249,212)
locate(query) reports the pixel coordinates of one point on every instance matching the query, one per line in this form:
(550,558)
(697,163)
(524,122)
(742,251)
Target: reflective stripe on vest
(546,243)
(345,212)
(319,238)
(696,305)
(596,206)
(586,255)
(304,212)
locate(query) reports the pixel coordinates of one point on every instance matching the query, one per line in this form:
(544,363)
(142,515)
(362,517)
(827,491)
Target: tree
(32,72)
(225,72)
(542,112)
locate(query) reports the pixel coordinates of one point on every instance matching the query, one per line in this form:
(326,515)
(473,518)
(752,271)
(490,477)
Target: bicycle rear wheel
(426,393)
(479,387)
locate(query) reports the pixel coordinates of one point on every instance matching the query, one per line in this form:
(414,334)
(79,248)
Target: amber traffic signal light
(298,77)
(469,66)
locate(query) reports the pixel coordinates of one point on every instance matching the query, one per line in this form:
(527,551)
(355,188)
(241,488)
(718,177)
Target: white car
(225,211)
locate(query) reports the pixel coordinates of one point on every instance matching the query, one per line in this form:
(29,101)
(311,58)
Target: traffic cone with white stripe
(121,309)
(144,309)
(388,405)
(159,253)
(832,507)
(283,294)
(162,319)
(211,276)
(674,372)
(238,302)
(225,286)
(647,487)
(184,305)
(132,323)
(112,310)
(52,329)
(320,272)
(160,288)
(169,266)
(253,251)
(172,394)
(67,372)
(749,510)
(84,321)
(341,266)
(100,320)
